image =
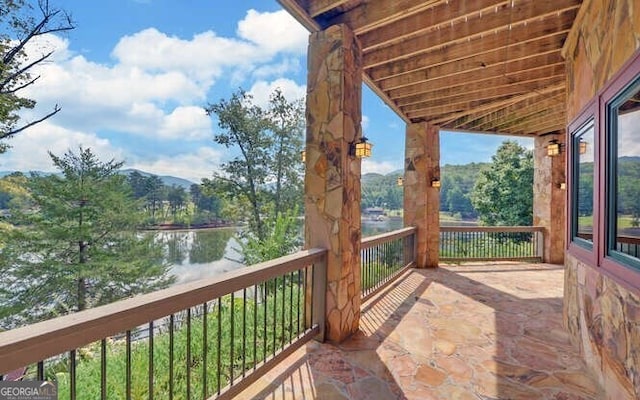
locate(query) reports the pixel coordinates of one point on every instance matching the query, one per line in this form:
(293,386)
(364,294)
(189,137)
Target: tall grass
(249,331)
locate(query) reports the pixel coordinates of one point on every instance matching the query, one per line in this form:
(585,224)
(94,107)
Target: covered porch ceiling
(473,65)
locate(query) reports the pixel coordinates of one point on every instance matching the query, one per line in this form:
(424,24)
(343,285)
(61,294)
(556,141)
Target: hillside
(167,180)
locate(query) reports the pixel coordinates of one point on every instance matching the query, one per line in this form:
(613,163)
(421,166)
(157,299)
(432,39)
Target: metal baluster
(72,372)
(232,337)
(290,307)
(264,325)
(244,331)
(103,369)
(275,313)
(151,360)
(219,345)
(171,326)
(40,371)
(298,311)
(255,326)
(188,353)
(128,365)
(204,350)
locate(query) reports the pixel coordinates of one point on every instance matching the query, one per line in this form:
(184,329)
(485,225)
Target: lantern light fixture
(582,147)
(360,148)
(435,183)
(400,181)
(303,155)
(554,148)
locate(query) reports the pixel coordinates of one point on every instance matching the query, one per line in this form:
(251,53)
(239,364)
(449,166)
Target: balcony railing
(384,257)
(491,243)
(203,339)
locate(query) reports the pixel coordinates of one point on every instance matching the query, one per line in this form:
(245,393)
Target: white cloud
(193,166)
(365,122)
(29,149)
(379,167)
(189,123)
(154,86)
(261,90)
(274,31)
(279,69)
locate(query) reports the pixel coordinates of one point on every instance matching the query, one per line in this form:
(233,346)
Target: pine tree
(77,245)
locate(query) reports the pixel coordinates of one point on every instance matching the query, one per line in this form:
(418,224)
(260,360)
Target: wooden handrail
(491,229)
(386,237)
(32,343)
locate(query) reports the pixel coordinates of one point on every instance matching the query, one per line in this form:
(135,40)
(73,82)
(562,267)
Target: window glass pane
(584,154)
(624,234)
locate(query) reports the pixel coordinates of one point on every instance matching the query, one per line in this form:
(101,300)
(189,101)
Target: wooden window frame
(582,249)
(614,266)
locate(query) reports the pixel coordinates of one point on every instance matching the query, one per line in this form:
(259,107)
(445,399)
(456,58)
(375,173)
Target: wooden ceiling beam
(529,119)
(539,80)
(508,74)
(372,14)
(438,17)
(447,108)
(523,115)
(551,122)
(540,35)
(496,66)
(483,121)
(499,23)
(445,119)
(317,7)
(487,93)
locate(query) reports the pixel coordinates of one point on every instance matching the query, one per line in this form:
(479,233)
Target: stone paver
(476,332)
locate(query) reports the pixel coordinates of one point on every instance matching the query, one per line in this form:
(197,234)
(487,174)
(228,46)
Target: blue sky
(132,79)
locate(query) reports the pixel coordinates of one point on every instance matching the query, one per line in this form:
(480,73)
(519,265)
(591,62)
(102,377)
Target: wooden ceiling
(472,65)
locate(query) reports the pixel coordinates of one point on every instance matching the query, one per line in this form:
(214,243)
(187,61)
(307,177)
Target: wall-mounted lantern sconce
(582,147)
(360,148)
(554,148)
(400,181)
(435,183)
(562,186)
(303,155)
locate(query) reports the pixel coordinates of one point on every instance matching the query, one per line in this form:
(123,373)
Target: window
(582,218)
(623,177)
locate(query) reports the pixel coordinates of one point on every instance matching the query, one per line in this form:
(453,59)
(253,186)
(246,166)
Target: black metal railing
(201,340)
(384,257)
(486,243)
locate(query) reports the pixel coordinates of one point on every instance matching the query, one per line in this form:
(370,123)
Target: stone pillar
(421,200)
(549,199)
(332,180)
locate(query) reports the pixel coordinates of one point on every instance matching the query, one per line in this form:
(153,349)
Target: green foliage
(283,310)
(76,246)
(381,191)
(503,193)
(263,182)
(20,23)
(457,183)
(283,237)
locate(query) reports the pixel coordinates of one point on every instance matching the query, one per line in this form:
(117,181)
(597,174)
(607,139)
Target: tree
(287,125)
(177,198)
(266,172)
(246,175)
(503,193)
(19,27)
(77,246)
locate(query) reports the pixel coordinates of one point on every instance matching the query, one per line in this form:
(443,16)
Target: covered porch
(485,331)
(477,331)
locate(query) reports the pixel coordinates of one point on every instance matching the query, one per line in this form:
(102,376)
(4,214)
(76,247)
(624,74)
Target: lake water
(202,253)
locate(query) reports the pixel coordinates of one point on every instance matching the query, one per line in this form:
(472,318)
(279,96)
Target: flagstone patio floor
(479,331)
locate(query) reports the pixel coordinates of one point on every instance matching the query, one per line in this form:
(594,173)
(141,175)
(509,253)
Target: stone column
(549,199)
(332,180)
(421,200)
